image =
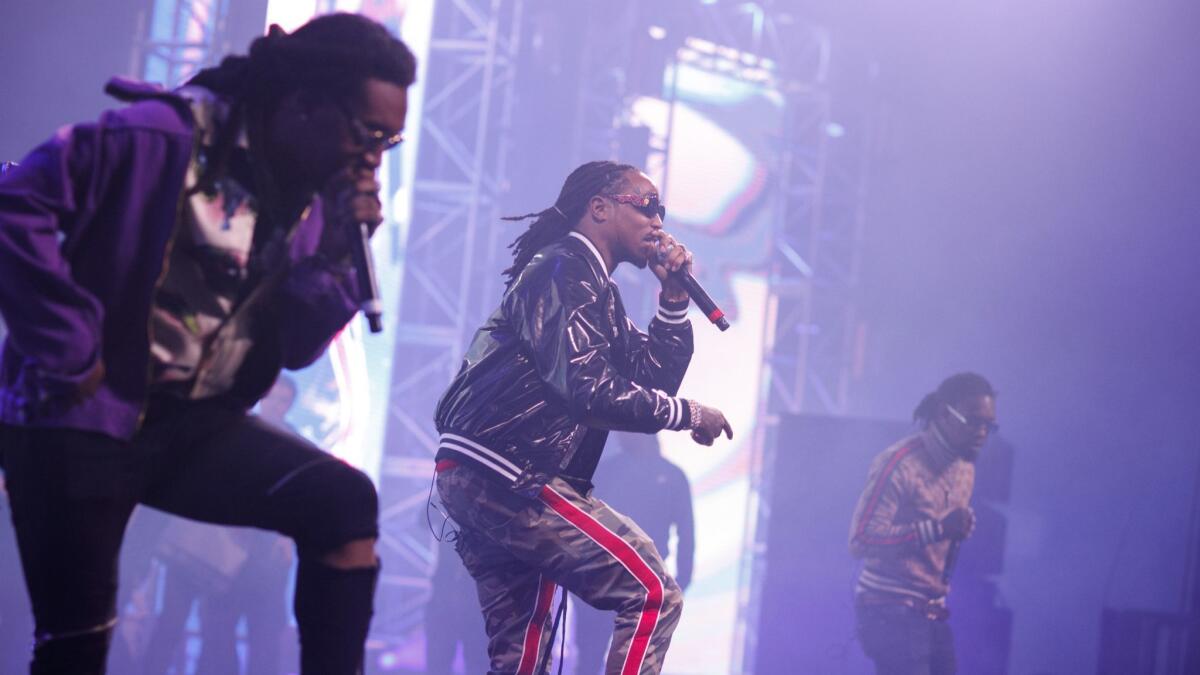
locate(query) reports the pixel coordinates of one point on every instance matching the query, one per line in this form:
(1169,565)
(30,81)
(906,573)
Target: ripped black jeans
(72,493)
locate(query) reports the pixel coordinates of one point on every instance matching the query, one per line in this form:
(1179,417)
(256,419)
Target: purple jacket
(85,224)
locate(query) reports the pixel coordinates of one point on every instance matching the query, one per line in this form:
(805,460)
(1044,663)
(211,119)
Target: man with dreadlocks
(157,269)
(524,422)
(910,521)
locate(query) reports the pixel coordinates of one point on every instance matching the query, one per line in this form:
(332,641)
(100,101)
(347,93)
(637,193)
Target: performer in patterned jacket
(909,523)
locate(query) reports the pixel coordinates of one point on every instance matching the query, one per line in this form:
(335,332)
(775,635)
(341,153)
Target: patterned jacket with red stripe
(911,486)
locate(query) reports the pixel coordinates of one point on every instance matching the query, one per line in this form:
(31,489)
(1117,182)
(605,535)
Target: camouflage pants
(519,550)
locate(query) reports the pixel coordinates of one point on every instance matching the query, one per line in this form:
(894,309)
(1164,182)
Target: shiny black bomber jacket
(557,359)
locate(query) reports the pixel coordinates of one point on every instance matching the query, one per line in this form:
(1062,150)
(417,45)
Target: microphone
(697,293)
(951,560)
(368,286)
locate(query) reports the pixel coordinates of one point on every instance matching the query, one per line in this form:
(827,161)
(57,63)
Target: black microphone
(697,293)
(951,560)
(368,287)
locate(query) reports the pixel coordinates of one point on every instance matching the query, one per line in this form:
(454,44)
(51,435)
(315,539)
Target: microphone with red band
(697,293)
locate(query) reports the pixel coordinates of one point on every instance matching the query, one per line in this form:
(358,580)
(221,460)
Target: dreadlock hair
(551,223)
(953,389)
(331,56)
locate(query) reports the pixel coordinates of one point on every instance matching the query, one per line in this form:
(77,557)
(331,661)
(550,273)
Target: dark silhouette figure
(452,618)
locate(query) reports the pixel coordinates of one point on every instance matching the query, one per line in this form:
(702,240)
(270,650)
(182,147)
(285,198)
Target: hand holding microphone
(956,526)
(670,259)
(673,267)
(352,212)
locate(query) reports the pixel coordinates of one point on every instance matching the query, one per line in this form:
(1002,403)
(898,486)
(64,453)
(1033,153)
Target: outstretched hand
(712,423)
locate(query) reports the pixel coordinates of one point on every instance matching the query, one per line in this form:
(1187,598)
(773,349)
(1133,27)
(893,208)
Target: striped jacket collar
(595,253)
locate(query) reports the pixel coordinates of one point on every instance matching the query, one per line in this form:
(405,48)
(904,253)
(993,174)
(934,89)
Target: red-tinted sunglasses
(647,205)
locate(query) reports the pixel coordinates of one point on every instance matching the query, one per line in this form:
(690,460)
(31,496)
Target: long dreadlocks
(585,182)
(330,58)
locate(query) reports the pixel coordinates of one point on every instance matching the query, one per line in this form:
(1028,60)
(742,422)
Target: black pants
(72,493)
(902,641)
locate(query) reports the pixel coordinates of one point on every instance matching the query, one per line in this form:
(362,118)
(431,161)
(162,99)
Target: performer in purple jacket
(157,270)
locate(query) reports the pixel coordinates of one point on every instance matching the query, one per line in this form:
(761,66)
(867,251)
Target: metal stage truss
(453,235)
(179,37)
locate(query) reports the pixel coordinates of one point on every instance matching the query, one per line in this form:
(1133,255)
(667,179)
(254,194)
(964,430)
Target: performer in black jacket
(524,422)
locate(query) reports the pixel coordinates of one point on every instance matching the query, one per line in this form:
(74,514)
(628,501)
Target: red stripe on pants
(630,560)
(531,649)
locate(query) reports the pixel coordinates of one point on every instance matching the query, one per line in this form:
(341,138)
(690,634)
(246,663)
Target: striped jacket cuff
(672,312)
(929,531)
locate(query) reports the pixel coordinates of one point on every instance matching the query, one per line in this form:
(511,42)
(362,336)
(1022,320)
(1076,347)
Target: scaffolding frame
(454,231)
(180,38)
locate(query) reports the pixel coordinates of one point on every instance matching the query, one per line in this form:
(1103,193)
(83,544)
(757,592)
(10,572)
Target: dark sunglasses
(647,205)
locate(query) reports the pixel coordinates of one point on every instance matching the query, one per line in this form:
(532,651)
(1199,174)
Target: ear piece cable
(560,618)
